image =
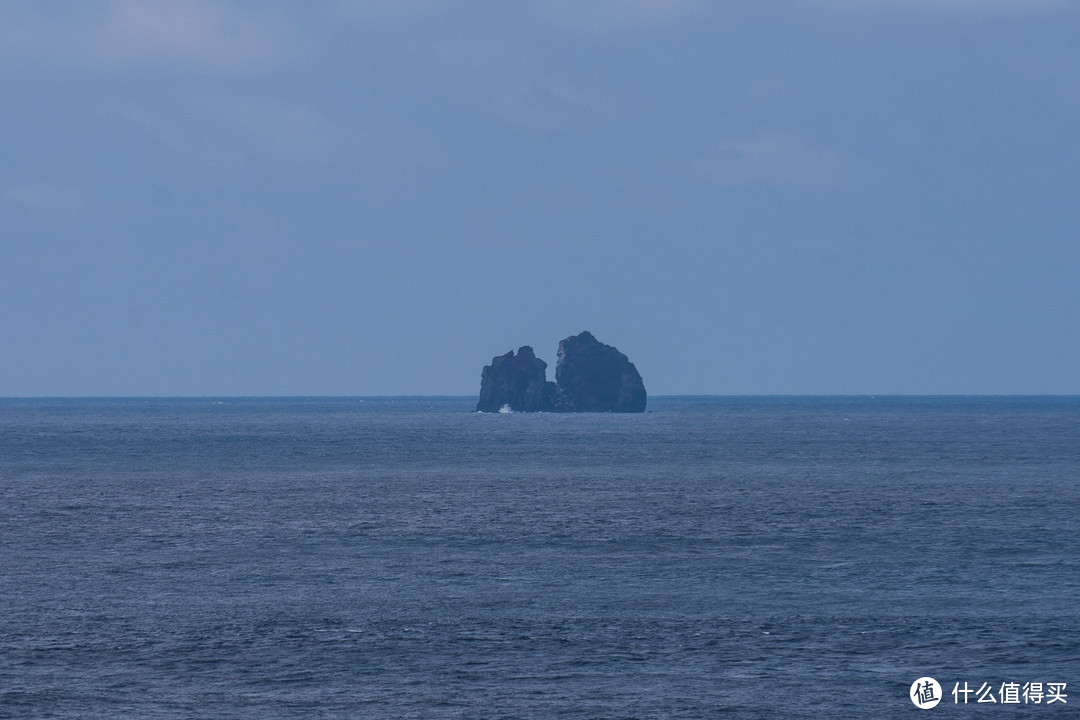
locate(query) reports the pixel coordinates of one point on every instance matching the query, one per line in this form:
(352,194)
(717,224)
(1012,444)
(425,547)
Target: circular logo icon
(925,693)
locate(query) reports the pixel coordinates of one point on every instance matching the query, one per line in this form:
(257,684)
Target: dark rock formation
(590,377)
(594,377)
(517,381)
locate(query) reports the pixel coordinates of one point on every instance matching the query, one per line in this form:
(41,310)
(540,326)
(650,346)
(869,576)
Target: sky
(376,197)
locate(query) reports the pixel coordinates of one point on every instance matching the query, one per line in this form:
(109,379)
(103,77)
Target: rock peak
(518,381)
(595,377)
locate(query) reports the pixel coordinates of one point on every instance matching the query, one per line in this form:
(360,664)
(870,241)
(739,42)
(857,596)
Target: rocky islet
(589,377)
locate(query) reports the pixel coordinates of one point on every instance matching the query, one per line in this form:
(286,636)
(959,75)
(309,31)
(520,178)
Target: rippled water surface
(409,558)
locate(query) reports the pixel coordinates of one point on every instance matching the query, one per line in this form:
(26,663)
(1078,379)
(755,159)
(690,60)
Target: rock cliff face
(590,377)
(516,381)
(595,377)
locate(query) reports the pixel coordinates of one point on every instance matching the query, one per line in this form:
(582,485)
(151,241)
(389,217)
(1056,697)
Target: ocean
(775,557)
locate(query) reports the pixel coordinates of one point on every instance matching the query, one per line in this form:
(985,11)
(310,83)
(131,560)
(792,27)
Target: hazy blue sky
(361,198)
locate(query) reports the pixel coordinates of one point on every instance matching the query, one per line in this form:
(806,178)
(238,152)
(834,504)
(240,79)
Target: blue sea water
(410,558)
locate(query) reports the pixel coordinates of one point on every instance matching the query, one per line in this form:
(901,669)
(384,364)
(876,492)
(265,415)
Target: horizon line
(471,396)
